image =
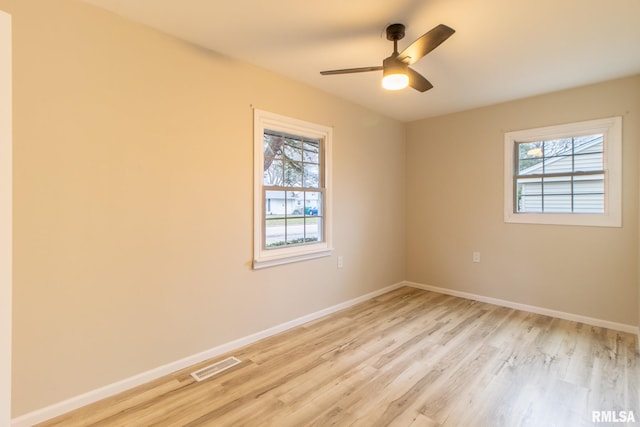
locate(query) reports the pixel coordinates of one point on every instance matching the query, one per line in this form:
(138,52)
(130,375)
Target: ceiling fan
(396,73)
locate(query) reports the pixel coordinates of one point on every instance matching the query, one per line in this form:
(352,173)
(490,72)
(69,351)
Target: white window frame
(263,257)
(611,128)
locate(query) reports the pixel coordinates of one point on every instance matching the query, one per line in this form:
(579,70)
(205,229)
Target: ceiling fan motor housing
(392,65)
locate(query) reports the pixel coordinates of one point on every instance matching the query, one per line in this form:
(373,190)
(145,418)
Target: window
(567,174)
(292,219)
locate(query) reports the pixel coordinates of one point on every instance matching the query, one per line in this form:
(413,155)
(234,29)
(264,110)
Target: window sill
(589,220)
(279,259)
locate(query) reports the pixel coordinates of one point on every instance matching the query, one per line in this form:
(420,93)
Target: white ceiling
(502,49)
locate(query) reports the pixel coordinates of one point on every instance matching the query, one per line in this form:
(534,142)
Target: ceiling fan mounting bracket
(395,32)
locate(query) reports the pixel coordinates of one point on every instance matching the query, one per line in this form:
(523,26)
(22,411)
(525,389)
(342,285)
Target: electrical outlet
(340,261)
(476,257)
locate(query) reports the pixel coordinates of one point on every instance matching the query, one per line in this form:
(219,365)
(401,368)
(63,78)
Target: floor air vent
(216,368)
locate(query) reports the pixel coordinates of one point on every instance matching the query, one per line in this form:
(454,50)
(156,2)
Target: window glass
(558,162)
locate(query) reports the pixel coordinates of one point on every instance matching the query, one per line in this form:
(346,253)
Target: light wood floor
(406,358)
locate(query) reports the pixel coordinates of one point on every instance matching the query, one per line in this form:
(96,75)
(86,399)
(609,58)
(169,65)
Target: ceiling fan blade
(351,70)
(425,44)
(418,82)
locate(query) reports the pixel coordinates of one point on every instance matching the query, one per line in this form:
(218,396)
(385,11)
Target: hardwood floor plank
(406,358)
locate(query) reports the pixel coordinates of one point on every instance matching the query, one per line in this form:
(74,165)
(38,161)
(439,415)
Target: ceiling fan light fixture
(395,74)
(395,81)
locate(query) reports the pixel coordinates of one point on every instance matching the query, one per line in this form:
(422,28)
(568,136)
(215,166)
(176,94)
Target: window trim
(276,256)
(611,128)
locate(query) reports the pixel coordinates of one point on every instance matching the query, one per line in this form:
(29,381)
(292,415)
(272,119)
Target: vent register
(216,368)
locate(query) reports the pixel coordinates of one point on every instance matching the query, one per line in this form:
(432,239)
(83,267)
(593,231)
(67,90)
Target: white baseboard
(76,402)
(530,308)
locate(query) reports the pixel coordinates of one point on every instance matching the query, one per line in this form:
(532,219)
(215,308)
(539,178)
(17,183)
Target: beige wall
(133,201)
(455,207)
(5,218)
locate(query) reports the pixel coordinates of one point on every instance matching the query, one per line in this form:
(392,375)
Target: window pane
(275,204)
(274,233)
(311,176)
(529,204)
(272,146)
(588,203)
(295,203)
(295,231)
(557,203)
(292,174)
(313,203)
(529,186)
(311,152)
(293,150)
(530,150)
(273,166)
(558,164)
(529,195)
(558,147)
(557,185)
(588,162)
(530,166)
(588,184)
(274,173)
(558,156)
(313,229)
(589,144)
(530,158)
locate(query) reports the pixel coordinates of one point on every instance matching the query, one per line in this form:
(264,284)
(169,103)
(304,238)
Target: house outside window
(567,174)
(291,190)
(560,176)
